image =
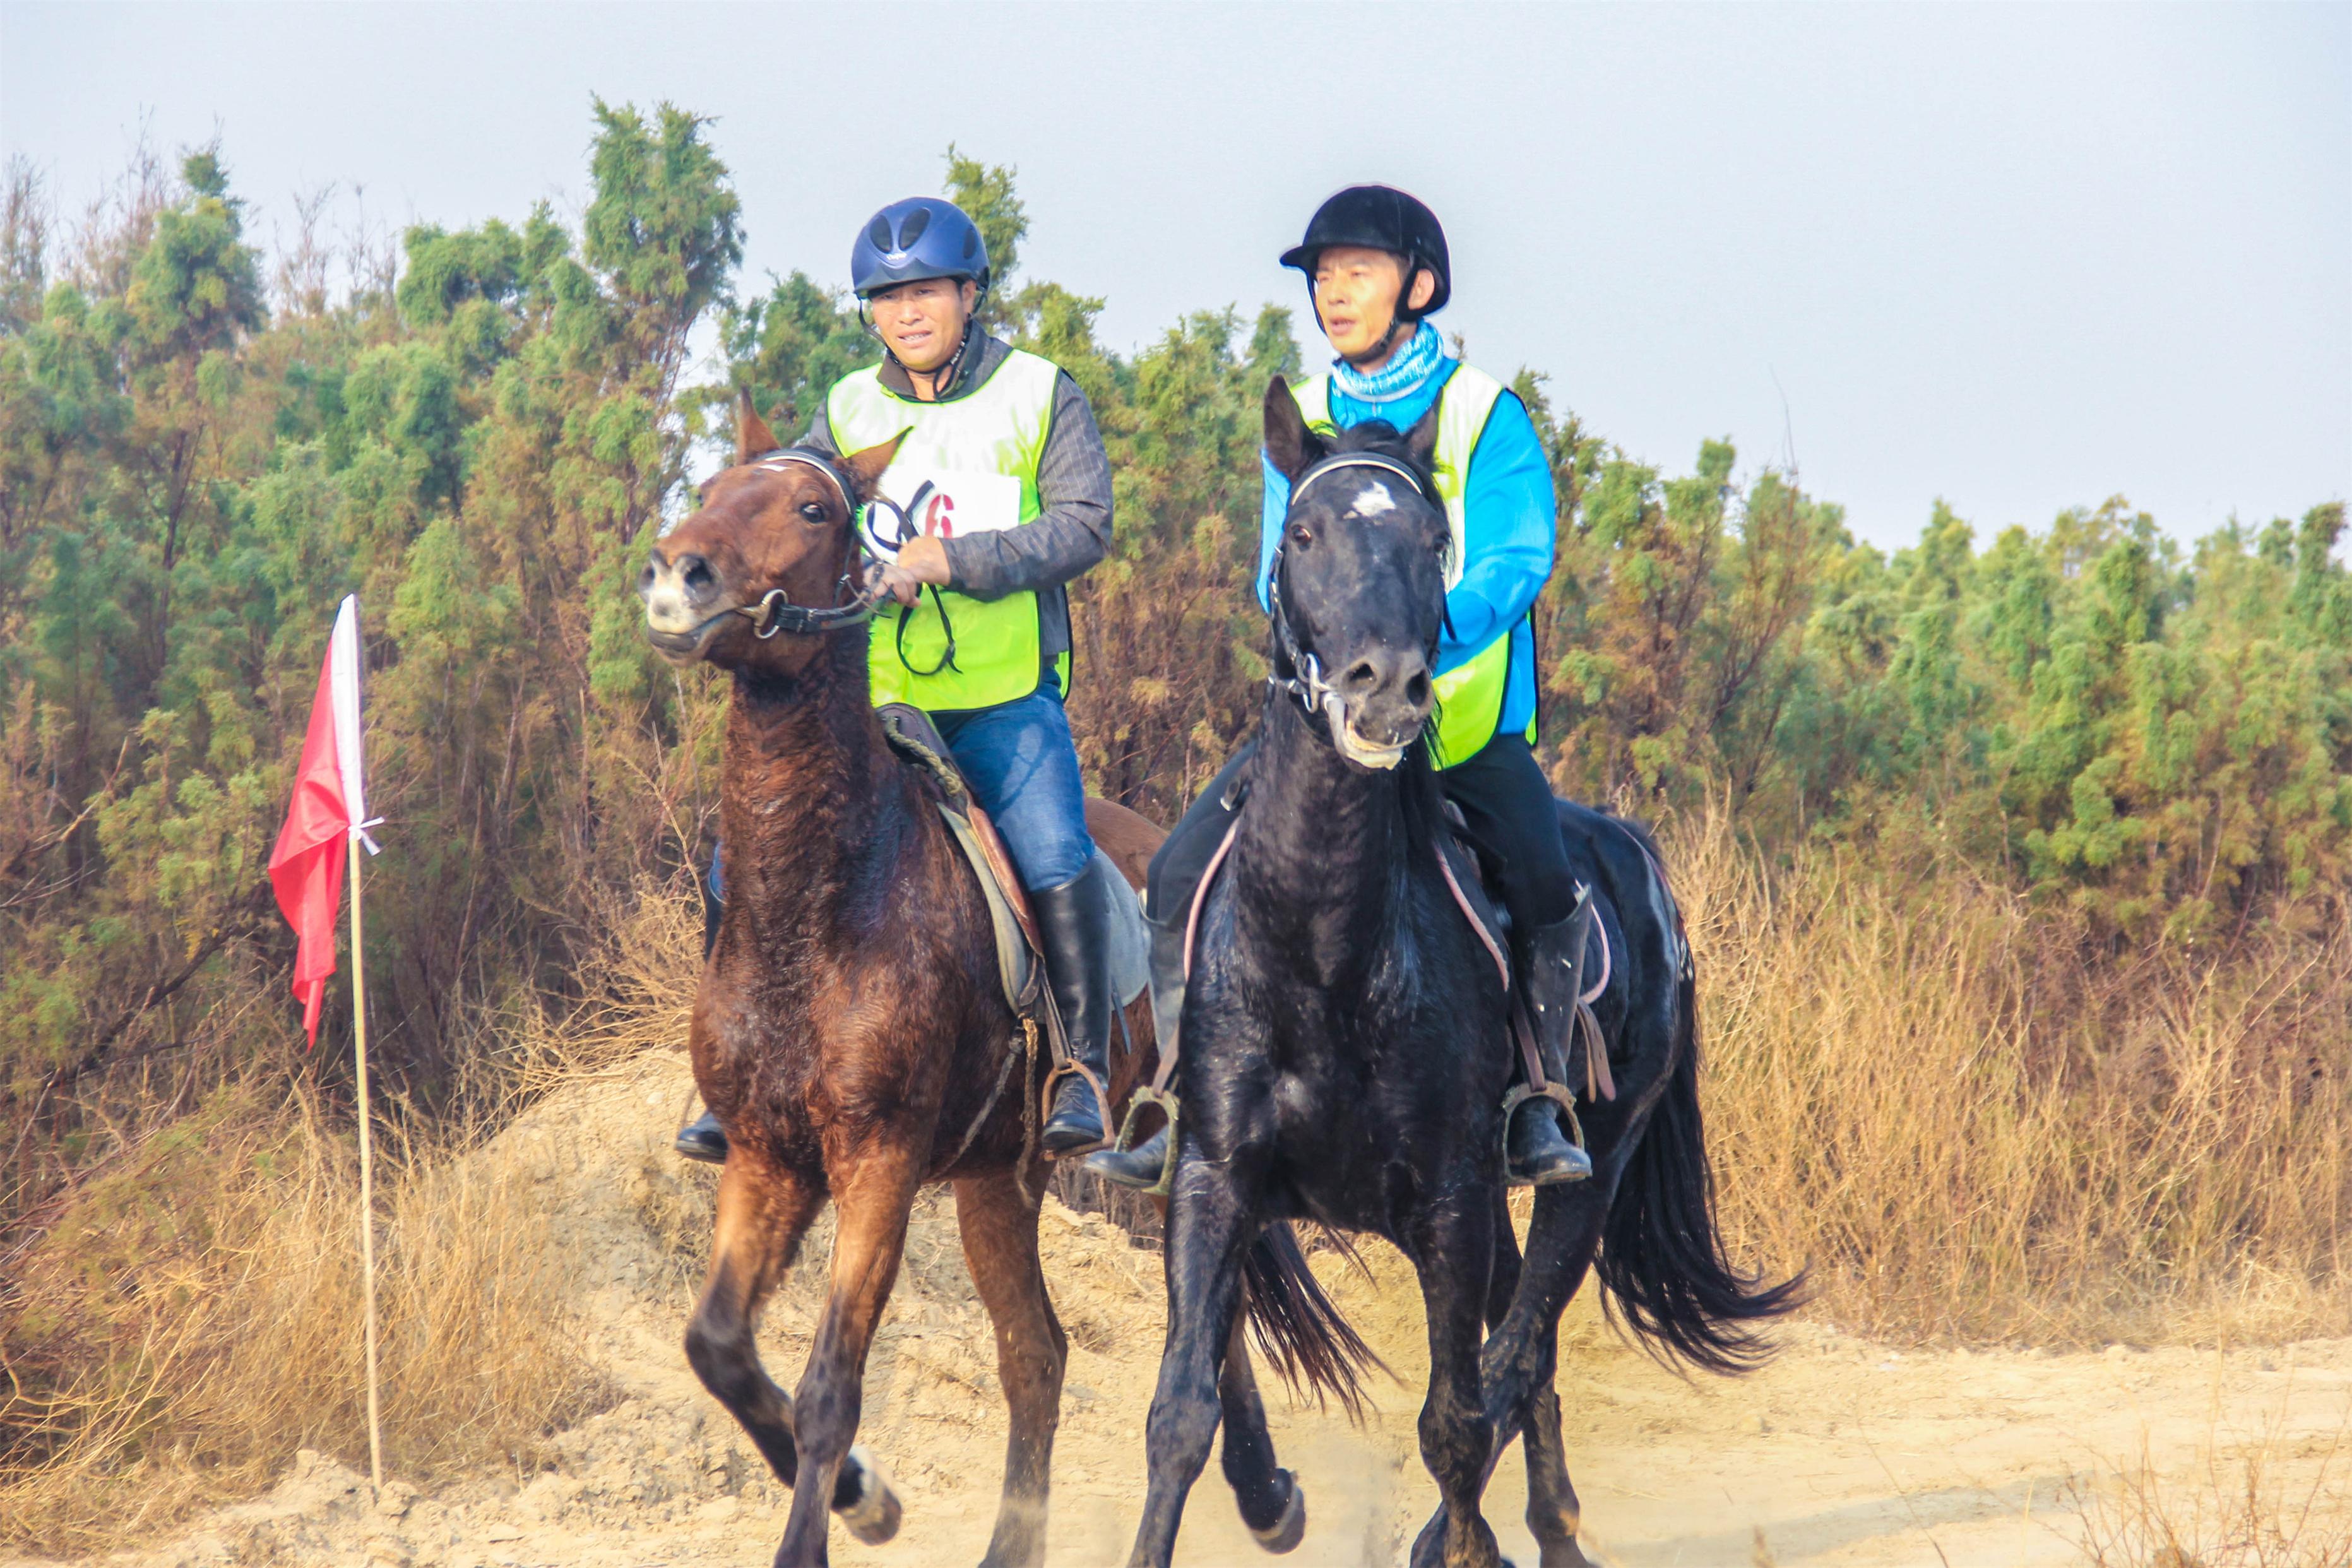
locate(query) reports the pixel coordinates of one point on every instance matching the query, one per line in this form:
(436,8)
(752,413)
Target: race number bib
(940,502)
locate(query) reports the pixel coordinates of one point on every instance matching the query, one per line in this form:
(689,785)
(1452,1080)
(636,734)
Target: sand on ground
(1842,1452)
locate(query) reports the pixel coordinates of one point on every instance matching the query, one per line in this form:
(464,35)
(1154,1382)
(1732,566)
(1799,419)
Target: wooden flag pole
(367,1166)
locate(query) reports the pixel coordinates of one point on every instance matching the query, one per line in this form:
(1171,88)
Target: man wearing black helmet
(998,495)
(1377,267)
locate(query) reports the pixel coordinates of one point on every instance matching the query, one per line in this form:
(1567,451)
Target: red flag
(329,807)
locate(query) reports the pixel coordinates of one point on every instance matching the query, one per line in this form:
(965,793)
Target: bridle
(852,606)
(1317,697)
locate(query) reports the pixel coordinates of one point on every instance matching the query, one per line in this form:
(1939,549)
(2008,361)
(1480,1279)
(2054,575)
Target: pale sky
(2019,256)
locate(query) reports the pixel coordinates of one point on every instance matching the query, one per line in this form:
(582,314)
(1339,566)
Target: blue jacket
(1508,517)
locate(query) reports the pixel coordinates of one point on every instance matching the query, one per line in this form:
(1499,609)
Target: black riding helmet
(1380,217)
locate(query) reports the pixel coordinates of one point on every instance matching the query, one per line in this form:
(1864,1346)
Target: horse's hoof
(1287,1532)
(873,1517)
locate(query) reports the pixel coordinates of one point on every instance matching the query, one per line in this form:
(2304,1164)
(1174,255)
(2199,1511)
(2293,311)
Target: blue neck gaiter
(1407,370)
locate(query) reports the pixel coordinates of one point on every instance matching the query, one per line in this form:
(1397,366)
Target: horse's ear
(752,437)
(1422,440)
(864,468)
(1290,446)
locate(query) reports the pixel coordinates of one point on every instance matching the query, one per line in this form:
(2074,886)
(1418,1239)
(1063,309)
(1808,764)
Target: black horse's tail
(1661,1256)
(1297,1328)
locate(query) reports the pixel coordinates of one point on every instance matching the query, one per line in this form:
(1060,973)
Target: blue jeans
(1022,768)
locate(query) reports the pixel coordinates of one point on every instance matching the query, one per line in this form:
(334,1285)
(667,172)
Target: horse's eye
(813,513)
(1301,537)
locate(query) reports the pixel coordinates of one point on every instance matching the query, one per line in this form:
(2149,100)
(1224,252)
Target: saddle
(1020,953)
(1492,924)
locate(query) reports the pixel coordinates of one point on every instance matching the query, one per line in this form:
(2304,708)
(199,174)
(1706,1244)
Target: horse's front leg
(1520,1360)
(1000,1245)
(872,1193)
(1212,1219)
(1453,1251)
(1272,1503)
(764,1213)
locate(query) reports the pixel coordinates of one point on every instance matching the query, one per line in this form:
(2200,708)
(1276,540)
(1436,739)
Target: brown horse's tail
(1297,1328)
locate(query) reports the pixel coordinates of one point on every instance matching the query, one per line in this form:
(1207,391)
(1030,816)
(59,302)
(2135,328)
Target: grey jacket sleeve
(820,434)
(1068,535)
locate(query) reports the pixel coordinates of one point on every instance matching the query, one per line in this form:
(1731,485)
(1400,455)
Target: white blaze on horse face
(1372,500)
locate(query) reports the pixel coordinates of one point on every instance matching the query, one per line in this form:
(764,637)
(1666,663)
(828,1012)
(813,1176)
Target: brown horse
(851,1033)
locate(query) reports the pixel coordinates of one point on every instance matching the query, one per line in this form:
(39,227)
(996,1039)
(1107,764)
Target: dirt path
(1843,1452)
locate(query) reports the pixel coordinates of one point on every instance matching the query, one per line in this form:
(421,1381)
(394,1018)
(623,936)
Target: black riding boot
(1536,1152)
(1142,1166)
(700,1139)
(1074,919)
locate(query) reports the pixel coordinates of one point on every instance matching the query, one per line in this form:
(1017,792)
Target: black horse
(1344,1052)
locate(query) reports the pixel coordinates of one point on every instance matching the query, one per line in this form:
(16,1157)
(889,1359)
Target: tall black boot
(1073,921)
(701,1139)
(1536,1152)
(1142,1166)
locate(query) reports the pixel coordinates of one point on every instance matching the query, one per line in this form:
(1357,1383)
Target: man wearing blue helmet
(998,495)
(1376,267)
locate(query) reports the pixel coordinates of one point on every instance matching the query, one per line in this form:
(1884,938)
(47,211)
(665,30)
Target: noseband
(1306,682)
(775,612)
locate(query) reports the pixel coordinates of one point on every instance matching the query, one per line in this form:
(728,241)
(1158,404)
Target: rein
(852,606)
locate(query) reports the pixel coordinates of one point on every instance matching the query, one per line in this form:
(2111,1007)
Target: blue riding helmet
(919,237)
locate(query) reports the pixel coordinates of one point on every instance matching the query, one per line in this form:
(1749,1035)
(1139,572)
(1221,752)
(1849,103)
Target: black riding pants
(1506,803)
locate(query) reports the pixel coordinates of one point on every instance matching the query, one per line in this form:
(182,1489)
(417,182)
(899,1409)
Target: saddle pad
(1017,958)
(921,746)
(1130,938)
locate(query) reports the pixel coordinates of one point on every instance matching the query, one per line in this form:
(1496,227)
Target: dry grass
(193,1318)
(1920,1086)
(2271,1502)
(1966,1126)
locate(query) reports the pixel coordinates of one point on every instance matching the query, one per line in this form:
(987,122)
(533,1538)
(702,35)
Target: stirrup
(1125,1142)
(1054,1080)
(1520,1094)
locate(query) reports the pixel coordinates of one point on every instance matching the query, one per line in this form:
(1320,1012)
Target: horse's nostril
(1416,690)
(1362,675)
(694,572)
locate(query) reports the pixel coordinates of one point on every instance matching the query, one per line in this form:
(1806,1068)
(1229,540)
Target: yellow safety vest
(965,466)
(1470,694)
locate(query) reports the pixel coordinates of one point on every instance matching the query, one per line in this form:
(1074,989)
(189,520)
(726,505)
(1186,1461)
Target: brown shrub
(1970,1120)
(2271,1501)
(194,1316)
